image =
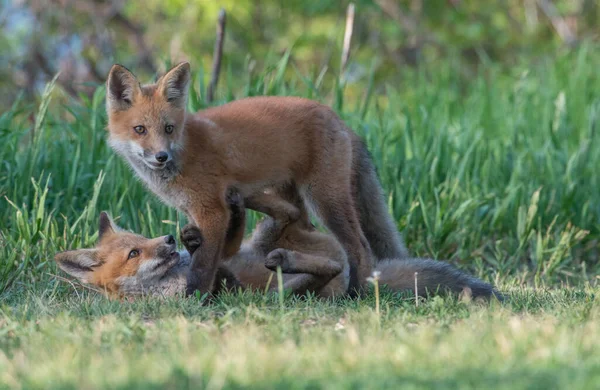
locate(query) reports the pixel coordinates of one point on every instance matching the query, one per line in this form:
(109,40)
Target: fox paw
(278,257)
(234,199)
(191,237)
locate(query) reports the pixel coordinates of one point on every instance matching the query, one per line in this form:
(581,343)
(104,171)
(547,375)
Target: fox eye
(169,129)
(133,253)
(140,129)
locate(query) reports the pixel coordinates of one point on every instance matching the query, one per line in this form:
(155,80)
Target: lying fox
(127,264)
(191,160)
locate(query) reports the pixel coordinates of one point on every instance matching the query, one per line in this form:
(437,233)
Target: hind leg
(336,210)
(292,262)
(275,206)
(327,278)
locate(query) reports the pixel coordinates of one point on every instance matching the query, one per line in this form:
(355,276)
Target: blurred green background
(83,38)
(481,117)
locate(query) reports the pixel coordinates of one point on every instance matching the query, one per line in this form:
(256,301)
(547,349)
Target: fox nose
(161,157)
(170,239)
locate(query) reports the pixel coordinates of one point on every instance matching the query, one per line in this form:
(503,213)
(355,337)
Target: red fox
(125,264)
(190,161)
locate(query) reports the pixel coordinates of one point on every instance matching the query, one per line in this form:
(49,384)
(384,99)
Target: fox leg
(237,223)
(313,273)
(273,205)
(225,280)
(212,220)
(292,262)
(191,236)
(335,208)
(328,189)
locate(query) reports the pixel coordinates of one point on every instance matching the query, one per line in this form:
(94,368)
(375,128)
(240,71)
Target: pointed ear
(121,88)
(78,263)
(106,225)
(174,85)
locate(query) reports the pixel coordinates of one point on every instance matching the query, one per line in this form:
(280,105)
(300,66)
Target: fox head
(145,122)
(120,258)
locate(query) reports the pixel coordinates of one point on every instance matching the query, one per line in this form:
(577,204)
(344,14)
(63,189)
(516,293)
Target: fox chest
(170,195)
(165,187)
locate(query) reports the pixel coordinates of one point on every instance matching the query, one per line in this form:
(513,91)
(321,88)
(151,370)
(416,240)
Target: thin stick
(377,297)
(559,23)
(416,290)
(217,56)
(280,287)
(374,278)
(347,36)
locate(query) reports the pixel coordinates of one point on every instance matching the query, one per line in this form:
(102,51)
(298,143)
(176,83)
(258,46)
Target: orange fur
(111,260)
(311,261)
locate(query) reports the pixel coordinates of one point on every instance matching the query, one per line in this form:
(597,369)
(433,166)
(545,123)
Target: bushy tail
(376,222)
(433,276)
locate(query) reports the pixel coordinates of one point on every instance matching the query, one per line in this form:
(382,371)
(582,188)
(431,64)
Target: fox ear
(174,84)
(106,225)
(121,88)
(79,263)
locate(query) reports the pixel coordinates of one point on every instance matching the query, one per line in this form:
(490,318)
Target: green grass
(498,175)
(538,340)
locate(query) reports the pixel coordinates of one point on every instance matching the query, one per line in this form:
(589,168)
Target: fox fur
(311,262)
(190,160)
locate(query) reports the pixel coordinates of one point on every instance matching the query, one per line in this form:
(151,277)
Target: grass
(538,340)
(497,174)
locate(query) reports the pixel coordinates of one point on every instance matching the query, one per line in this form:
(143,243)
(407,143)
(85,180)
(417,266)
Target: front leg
(212,219)
(237,223)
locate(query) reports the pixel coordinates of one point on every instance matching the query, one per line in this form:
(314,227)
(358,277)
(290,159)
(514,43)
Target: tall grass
(499,174)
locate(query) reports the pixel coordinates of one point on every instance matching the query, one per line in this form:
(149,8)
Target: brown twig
(217,56)
(347,36)
(418,36)
(393,10)
(45,66)
(138,35)
(559,23)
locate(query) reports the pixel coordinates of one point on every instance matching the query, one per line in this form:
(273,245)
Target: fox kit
(125,264)
(190,160)
(120,256)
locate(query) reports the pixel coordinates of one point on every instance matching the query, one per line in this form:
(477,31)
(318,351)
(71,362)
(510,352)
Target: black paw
(191,237)
(234,199)
(278,257)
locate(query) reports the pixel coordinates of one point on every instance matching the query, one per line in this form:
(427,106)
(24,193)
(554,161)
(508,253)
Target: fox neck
(173,282)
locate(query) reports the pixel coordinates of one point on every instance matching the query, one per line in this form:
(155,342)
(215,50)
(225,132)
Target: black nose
(170,239)
(161,156)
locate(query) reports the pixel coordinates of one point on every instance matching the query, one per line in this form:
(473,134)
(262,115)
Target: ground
(541,339)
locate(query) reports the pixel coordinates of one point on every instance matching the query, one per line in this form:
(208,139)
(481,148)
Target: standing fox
(190,160)
(126,264)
